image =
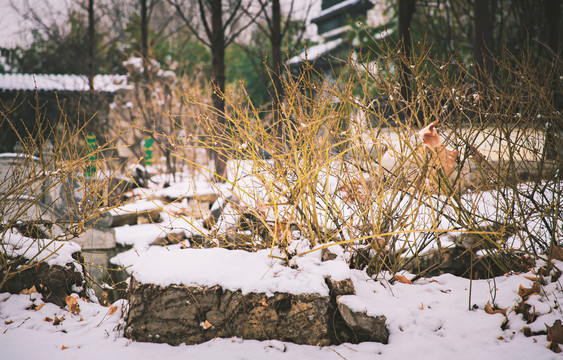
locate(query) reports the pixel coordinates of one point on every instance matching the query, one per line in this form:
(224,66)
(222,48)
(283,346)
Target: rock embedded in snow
(194,314)
(195,295)
(363,327)
(54,282)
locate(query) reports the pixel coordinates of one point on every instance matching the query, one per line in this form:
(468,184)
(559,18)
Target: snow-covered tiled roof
(333,10)
(316,51)
(53,82)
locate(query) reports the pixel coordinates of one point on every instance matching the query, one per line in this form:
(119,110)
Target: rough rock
(134,218)
(327,255)
(342,287)
(363,327)
(195,314)
(53,282)
(170,238)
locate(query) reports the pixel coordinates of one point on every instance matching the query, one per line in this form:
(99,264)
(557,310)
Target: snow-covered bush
(357,171)
(50,194)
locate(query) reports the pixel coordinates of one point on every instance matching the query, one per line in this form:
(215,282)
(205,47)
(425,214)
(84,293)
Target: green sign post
(148,147)
(92,156)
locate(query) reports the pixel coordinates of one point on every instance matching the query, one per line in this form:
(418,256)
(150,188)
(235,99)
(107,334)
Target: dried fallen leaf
(401,279)
(73,306)
(112,309)
(528,312)
(264,303)
(58,321)
(489,309)
(430,137)
(553,346)
(555,332)
(206,325)
(8,322)
(29,291)
(525,293)
(48,319)
(39,307)
(64,347)
(421,306)
(557,253)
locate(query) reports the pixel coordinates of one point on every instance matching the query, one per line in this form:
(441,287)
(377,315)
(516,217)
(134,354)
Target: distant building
(29,98)
(333,23)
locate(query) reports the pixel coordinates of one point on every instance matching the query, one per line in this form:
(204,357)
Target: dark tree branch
(188,23)
(208,31)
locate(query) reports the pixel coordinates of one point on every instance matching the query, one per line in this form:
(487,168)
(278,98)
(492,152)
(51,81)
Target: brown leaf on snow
(112,309)
(64,347)
(525,293)
(48,319)
(402,279)
(8,322)
(557,253)
(73,306)
(553,346)
(489,309)
(555,332)
(58,321)
(39,307)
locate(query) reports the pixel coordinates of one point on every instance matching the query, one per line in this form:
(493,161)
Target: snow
(428,319)
(238,270)
(313,52)
(137,206)
(53,252)
(59,82)
(336,7)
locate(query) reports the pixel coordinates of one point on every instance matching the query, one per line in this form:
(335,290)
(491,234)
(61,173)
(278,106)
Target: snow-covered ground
(429,319)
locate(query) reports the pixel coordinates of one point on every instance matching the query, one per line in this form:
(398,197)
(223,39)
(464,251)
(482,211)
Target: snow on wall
(57,82)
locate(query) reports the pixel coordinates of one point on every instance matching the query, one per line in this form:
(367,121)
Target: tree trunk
(218,78)
(553,17)
(406,11)
(91,45)
(276,43)
(144,29)
(483,42)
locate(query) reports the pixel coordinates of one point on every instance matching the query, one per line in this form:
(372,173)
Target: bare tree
(217,26)
(483,41)
(91,45)
(406,11)
(276,32)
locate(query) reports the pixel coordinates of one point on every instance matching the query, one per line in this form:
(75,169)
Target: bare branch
(204,20)
(235,34)
(234,12)
(188,23)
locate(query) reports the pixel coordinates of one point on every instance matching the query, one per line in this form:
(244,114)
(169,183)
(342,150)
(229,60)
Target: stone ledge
(179,314)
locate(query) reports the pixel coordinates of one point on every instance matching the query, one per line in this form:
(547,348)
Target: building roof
(311,54)
(342,8)
(56,82)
